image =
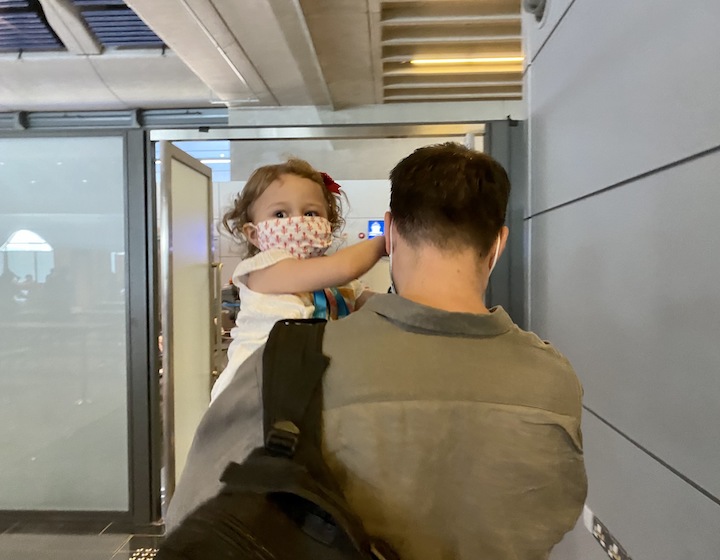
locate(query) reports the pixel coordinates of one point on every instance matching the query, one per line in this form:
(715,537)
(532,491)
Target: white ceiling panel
(35,83)
(68,82)
(153,81)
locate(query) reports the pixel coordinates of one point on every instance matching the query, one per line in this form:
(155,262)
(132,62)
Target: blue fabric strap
(322,308)
(320,302)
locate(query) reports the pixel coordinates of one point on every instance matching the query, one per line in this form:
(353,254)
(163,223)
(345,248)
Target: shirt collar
(423,319)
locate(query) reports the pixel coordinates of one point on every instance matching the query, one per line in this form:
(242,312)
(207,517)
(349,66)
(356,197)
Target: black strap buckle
(282,438)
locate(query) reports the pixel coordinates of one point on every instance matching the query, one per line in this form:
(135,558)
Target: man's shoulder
(358,320)
(538,345)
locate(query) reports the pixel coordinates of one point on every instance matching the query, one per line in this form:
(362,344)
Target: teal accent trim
(321,306)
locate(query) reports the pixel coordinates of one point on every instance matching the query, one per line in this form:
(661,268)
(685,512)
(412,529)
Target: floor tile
(60,544)
(85,527)
(51,555)
(139,554)
(131,528)
(139,547)
(137,542)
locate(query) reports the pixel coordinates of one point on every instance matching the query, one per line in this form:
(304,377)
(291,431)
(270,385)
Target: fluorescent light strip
(485,60)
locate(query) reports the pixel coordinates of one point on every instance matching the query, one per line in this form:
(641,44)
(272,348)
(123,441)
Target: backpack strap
(293,367)
(291,462)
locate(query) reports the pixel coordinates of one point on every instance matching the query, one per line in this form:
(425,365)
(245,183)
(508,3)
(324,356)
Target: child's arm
(307,275)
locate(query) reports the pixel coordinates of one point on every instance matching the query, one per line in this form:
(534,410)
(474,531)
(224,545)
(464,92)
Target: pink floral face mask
(301,236)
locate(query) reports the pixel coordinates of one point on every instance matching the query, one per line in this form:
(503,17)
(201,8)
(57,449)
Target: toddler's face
(287,197)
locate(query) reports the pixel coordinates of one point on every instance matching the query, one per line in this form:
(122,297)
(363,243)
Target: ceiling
(98,54)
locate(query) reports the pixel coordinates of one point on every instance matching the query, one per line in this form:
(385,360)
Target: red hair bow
(330,184)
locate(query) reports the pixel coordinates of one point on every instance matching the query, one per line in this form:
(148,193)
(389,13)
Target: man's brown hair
(449,196)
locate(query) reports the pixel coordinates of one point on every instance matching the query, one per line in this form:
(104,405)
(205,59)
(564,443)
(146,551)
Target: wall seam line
(633,179)
(552,32)
(710,496)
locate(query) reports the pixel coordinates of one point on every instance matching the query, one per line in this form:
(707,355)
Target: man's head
(450,197)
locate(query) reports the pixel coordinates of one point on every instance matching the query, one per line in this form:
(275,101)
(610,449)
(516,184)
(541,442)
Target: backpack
(282,502)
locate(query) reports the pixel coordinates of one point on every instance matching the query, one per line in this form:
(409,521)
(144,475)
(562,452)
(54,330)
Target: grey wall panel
(626,284)
(622,88)
(537,33)
(653,514)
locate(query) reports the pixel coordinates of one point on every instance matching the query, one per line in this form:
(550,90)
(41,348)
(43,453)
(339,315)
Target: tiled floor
(34,545)
(31,545)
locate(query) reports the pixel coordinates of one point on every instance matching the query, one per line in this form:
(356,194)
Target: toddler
(286,215)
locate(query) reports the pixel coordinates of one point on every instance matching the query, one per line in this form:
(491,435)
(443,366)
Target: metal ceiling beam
(461,6)
(437,85)
(448,30)
(410,113)
(320,132)
(467,91)
(458,4)
(450,70)
(154,118)
(400,59)
(486,48)
(341,33)
(448,40)
(376,50)
(439,79)
(421,21)
(295,31)
(13,121)
(452,96)
(199,35)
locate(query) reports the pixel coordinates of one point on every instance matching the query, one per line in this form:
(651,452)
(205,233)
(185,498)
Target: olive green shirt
(453,435)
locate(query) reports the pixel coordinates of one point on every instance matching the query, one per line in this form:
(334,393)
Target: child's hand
(383,249)
(292,275)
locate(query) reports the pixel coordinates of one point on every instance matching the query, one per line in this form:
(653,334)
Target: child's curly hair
(234,219)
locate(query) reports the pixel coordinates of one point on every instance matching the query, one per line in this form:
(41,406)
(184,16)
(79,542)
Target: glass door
(188,301)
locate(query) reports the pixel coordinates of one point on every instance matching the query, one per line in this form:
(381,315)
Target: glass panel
(191,303)
(213,153)
(63,371)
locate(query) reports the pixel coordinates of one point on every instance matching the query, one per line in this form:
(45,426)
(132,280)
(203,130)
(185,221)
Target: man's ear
(504,233)
(250,232)
(503,237)
(388,225)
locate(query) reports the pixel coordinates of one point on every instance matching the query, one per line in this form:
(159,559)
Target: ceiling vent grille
(23,27)
(116,25)
(454,50)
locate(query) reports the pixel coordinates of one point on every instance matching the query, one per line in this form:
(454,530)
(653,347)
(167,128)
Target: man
(453,433)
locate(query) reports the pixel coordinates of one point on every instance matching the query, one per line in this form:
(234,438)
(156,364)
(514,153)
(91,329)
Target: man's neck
(451,281)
